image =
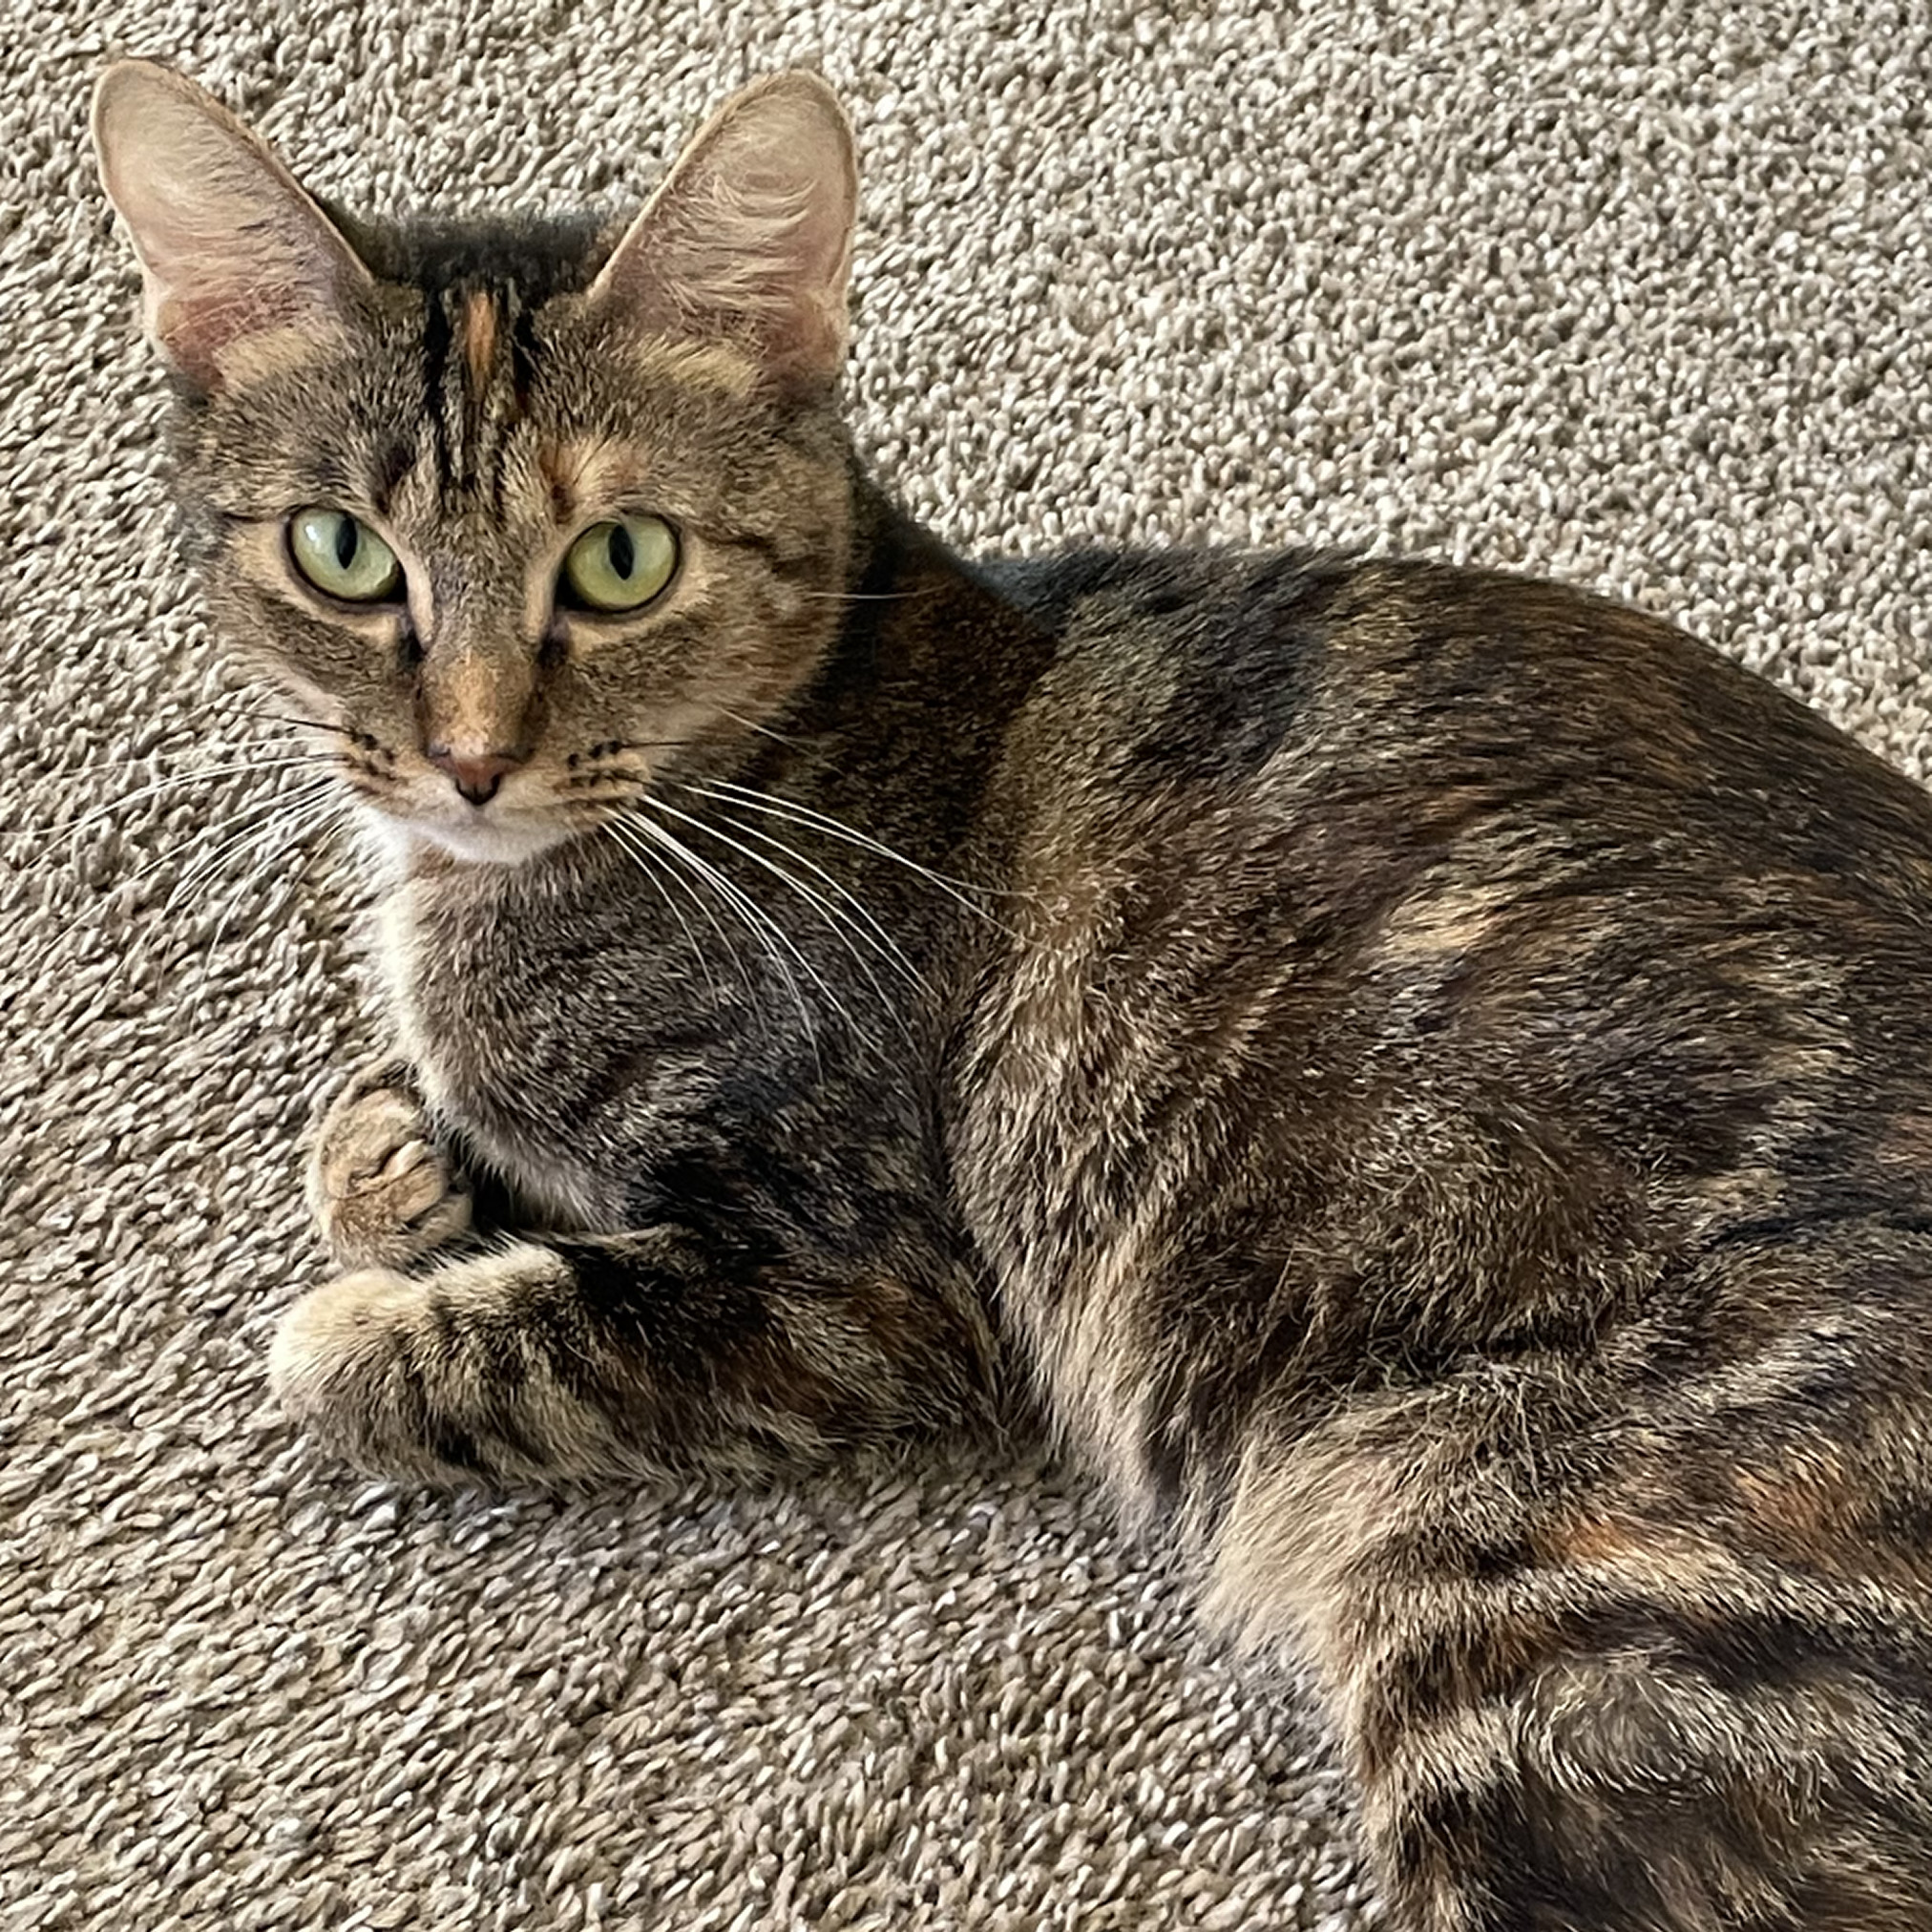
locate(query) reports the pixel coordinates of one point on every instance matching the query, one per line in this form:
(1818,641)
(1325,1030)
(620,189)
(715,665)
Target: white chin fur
(482,841)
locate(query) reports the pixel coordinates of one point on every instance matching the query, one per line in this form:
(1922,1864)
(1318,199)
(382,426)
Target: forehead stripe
(479,335)
(436,341)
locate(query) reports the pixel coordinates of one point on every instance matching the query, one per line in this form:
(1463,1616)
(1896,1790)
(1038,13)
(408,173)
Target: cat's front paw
(447,1378)
(383,1193)
(339,1347)
(345,1364)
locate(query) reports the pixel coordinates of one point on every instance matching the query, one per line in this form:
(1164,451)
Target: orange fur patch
(561,467)
(479,335)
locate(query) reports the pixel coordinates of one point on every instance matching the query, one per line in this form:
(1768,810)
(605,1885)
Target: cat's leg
(1649,1654)
(655,1352)
(383,1192)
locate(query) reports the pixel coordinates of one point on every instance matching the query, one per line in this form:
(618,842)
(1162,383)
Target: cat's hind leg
(639,1354)
(1637,1646)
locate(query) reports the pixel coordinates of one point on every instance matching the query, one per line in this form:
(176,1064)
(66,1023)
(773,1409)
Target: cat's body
(1427,1074)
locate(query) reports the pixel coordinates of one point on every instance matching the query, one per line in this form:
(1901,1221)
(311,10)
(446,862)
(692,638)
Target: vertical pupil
(344,543)
(622,551)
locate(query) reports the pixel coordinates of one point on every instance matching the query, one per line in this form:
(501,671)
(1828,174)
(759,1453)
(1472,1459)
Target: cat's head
(516,513)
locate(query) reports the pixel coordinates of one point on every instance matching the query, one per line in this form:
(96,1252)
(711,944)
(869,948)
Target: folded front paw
(342,1365)
(447,1377)
(382,1191)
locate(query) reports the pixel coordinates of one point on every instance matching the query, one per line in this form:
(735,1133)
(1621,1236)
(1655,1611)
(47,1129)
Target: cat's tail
(1629,1650)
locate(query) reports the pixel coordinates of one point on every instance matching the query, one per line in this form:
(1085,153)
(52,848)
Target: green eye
(620,565)
(342,555)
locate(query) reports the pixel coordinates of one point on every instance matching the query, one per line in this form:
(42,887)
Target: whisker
(365,740)
(645,862)
(863,596)
(579,781)
(731,896)
(839,922)
(648,839)
(744,798)
(263,819)
(629,833)
(175,782)
(881,939)
(354,736)
(257,813)
(255,714)
(160,754)
(745,723)
(325,816)
(826,909)
(760,927)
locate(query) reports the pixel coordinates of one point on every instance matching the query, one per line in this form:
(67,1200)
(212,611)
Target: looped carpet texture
(1635,295)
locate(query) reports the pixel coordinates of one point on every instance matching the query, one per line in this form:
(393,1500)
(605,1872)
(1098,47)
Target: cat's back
(1424,723)
(1337,854)
(1416,676)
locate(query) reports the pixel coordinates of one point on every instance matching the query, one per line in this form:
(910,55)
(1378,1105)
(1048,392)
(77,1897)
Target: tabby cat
(1430,1075)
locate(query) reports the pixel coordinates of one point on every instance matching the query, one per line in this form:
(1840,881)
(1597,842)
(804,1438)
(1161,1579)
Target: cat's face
(517,519)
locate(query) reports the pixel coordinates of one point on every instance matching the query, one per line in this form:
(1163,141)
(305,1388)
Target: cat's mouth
(484,810)
(492,841)
(513,824)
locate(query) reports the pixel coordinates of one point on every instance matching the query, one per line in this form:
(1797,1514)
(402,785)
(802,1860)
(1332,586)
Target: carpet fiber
(1639,296)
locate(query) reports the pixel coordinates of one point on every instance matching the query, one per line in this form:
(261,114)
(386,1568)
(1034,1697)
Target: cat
(1427,1074)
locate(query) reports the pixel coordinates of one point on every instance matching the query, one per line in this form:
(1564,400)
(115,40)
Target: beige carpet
(1636,294)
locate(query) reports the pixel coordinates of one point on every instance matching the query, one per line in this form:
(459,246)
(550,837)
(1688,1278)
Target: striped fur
(1428,1076)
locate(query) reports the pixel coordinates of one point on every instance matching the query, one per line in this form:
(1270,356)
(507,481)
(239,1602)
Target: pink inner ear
(749,239)
(199,325)
(230,246)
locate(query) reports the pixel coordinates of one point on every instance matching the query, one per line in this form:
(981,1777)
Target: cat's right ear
(235,258)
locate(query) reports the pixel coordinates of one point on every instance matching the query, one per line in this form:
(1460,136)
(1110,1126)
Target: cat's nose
(476,776)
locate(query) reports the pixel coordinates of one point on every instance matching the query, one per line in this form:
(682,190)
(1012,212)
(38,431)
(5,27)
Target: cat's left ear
(749,239)
(233,250)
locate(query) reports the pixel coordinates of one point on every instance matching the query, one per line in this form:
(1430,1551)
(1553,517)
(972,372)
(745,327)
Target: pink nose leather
(477,779)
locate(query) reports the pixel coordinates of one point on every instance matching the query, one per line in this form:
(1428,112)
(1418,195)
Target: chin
(479,840)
